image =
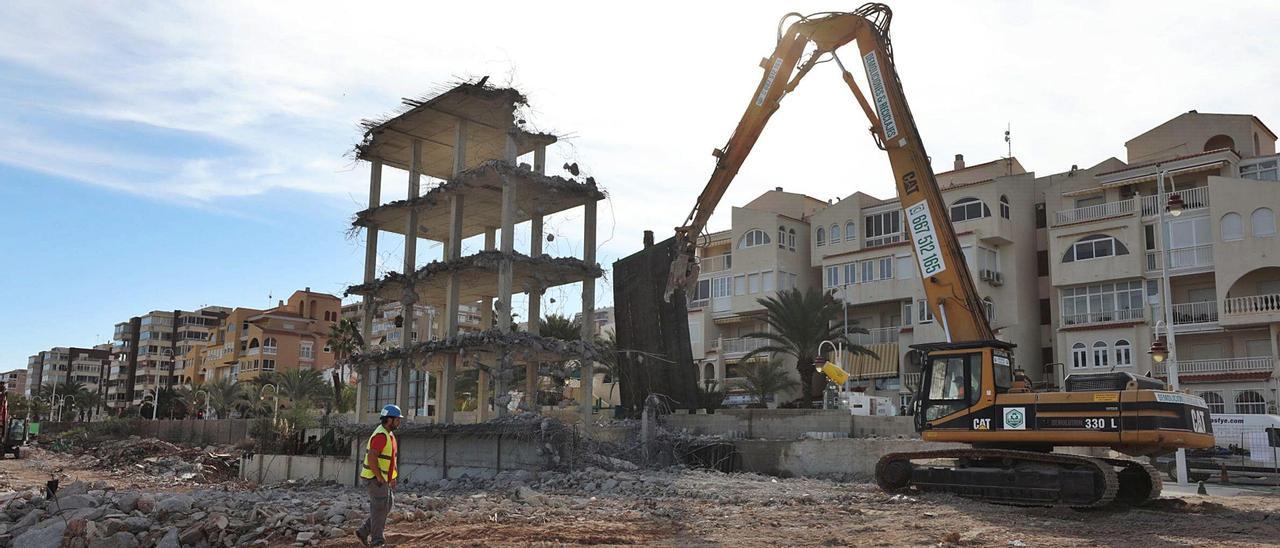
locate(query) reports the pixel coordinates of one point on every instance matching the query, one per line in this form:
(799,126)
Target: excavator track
(1140,482)
(1024,478)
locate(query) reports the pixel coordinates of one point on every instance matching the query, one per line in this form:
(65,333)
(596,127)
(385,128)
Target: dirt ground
(696,508)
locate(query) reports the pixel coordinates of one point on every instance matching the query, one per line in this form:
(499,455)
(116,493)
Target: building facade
(149,352)
(1069,265)
(16,380)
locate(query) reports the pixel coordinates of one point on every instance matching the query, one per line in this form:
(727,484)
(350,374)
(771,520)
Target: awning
(883,364)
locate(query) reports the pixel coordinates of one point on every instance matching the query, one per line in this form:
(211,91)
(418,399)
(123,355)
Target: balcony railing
(718,263)
(1220,365)
(912,380)
(741,345)
(1094,212)
(1205,312)
(876,335)
(1103,317)
(699,303)
(1251,304)
(885,239)
(253,351)
(1198,256)
(1193,198)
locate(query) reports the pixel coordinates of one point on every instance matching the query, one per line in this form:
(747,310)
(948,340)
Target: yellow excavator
(968,393)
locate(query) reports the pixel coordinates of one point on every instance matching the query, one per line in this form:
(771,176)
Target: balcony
(1094,212)
(1108,316)
(1201,314)
(1215,366)
(718,263)
(739,346)
(1184,258)
(1252,304)
(1193,199)
(878,335)
(883,240)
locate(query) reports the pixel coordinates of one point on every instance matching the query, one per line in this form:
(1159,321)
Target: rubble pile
(161,460)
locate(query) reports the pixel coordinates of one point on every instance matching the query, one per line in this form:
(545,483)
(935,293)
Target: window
(925,314)
(965,209)
(835,234)
(305,350)
(740,285)
(253,343)
(849,231)
(768,279)
(989,306)
(1042,216)
(953,385)
(721,287)
(782,237)
(886,267)
(1264,222)
(753,283)
(850,272)
(988,259)
(269,345)
(1004,206)
(1261,171)
(1219,142)
(905,270)
(1079,355)
(791,239)
(1249,402)
(1102,303)
(1094,247)
(1232,227)
(1100,354)
(268,365)
(833,276)
(754,237)
(821,237)
(1124,353)
(868,268)
(883,228)
(1214,400)
(701,292)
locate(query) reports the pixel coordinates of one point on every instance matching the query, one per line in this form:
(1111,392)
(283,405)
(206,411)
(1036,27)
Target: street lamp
(1175,206)
(154,395)
(206,401)
(275,404)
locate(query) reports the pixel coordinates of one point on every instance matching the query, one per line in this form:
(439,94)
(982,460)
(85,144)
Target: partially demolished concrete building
(471,138)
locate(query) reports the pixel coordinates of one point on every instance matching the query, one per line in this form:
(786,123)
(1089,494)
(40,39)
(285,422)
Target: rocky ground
(102,507)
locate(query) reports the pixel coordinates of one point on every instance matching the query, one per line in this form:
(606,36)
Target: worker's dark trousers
(379,507)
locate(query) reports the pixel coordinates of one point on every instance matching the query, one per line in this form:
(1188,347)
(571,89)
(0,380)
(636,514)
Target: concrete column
(370,271)
(503,305)
(540,160)
(534,314)
(510,152)
(483,411)
(410,265)
(453,250)
(587,396)
(460,133)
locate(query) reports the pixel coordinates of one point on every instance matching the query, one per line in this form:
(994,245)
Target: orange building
(250,342)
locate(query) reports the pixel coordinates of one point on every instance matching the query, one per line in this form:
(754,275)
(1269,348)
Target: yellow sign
(833,372)
(1106,396)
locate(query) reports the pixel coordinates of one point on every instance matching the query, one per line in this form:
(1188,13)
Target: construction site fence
(189,431)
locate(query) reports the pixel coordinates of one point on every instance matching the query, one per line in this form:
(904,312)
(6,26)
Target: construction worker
(380,472)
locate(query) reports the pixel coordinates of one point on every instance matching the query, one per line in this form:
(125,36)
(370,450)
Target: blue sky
(156,155)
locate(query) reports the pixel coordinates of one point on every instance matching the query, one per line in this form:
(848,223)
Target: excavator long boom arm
(948,285)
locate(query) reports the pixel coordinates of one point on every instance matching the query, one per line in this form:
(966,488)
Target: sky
(161,155)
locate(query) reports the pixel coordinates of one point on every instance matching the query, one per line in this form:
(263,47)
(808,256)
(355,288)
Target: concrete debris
(515,345)
(157,459)
(488,260)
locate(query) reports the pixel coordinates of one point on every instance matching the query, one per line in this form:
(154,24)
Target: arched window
(708,373)
(1264,222)
(253,343)
(1100,354)
(1124,353)
(1079,355)
(269,345)
(1004,206)
(835,234)
(822,236)
(1249,402)
(1219,142)
(1232,227)
(849,231)
(753,238)
(313,309)
(791,239)
(1214,400)
(989,306)
(969,208)
(1094,247)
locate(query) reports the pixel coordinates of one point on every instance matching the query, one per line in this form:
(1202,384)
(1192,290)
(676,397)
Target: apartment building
(16,380)
(766,250)
(250,342)
(1107,250)
(62,364)
(144,349)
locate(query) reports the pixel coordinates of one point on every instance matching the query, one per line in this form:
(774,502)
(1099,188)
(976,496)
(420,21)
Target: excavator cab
(960,379)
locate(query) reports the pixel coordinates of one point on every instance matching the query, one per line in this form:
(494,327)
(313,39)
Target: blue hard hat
(391,410)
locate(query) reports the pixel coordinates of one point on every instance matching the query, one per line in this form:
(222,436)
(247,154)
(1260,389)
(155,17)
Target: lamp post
(154,395)
(1174,206)
(206,401)
(275,403)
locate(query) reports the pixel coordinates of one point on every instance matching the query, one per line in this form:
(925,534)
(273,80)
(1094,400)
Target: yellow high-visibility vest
(386,461)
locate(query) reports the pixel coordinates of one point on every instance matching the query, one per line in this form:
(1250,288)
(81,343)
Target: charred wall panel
(653,336)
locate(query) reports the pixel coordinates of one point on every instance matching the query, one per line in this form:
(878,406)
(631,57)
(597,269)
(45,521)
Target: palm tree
(798,323)
(764,379)
(225,395)
(300,386)
(345,342)
(608,359)
(560,327)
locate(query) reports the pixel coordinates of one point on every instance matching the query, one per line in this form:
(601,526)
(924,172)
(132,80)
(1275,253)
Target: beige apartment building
(61,364)
(1107,250)
(144,349)
(1069,265)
